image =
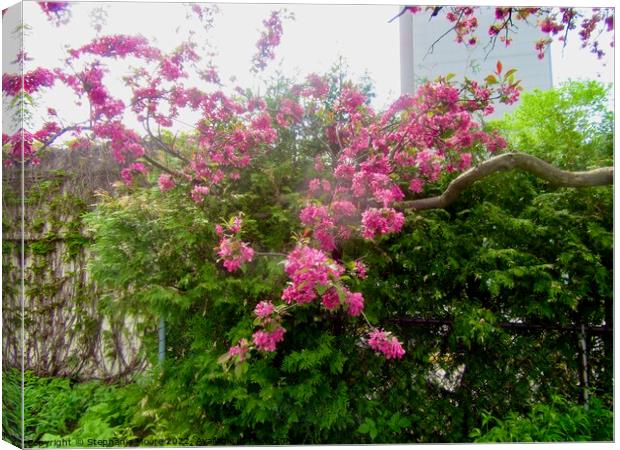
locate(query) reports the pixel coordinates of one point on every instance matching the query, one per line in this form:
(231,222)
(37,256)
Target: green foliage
(58,408)
(558,421)
(570,126)
(12,407)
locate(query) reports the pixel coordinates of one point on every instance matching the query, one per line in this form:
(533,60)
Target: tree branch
(161,144)
(510,161)
(160,166)
(51,140)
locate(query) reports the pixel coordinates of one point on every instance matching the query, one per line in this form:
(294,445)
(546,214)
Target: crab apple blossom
(268,340)
(240,350)
(165,182)
(330,299)
(355,303)
(58,13)
(381,221)
(383,342)
(360,270)
(30,81)
(264,309)
(551,21)
(308,269)
(234,253)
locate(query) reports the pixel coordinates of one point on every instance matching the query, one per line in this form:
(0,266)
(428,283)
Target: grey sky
(318,36)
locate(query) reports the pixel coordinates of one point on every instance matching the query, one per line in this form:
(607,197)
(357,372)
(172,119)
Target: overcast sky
(316,39)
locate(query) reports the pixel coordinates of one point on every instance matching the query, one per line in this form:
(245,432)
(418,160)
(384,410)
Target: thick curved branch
(510,161)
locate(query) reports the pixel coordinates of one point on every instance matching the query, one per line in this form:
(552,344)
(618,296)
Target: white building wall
(474,62)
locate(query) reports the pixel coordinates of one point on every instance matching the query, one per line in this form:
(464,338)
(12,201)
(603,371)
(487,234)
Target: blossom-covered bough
(372,167)
(555,23)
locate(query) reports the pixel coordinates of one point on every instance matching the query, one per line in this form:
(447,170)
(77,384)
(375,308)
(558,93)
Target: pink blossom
(264,309)
(381,221)
(465,162)
(330,299)
(50,128)
(317,86)
(266,341)
(268,41)
(199,192)
(165,182)
(22,148)
(355,303)
(126,176)
(345,171)
(236,225)
(31,81)
(314,185)
(234,253)
(291,112)
(382,341)
(318,217)
(360,269)
(343,208)
(57,12)
(308,268)
(318,164)
(118,46)
(351,99)
(416,185)
(240,350)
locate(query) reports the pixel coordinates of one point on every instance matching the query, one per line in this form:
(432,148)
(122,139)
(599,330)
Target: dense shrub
(453,284)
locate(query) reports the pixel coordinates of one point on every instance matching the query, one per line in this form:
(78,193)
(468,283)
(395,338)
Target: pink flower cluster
(330,299)
(268,41)
(128,172)
(240,350)
(308,269)
(21,148)
(57,12)
(31,82)
(290,113)
(267,341)
(231,249)
(271,332)
(354,301)
(264,309)
(103,104)
(118,46)
(383,342)
(199,193)
(171,68)
(381,221)
(316,87)
(318,218)
(125,144)
(551,21)
(234,253)
(360,270)
(49,129)
(166,182)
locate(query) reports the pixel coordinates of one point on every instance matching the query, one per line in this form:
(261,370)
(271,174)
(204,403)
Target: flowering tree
(556,23)
(370,168)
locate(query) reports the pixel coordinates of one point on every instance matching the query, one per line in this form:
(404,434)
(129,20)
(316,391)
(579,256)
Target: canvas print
(289,224)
